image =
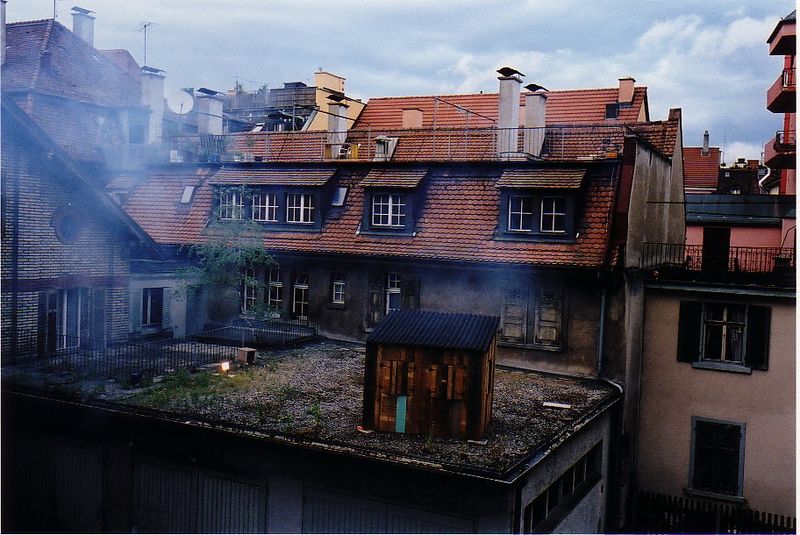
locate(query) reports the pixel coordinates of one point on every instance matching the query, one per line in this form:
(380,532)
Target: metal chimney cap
(206,91)
(508,71)
(535,87)
(82,11)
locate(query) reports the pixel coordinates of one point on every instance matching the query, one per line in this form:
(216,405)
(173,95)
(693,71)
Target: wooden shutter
(375,305)
(689,327)
(166,323)
(99,316)
(409,291)
(758,326)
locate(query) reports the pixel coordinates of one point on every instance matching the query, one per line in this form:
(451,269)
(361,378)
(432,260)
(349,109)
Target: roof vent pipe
(83,24)
(706,150)
(508,112)
(535,111)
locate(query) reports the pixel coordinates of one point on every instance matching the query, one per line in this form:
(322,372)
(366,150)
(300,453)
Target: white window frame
(65,339)
(302,205)
(338,289)
(249,291)
(231,206)
(393,282)
(275,290)
(726,325)
(516,217)
(265,207)
(388,210)
(300,288)
(550,213)
(147,307)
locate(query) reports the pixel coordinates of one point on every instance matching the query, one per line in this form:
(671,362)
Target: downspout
(601,335)
(764,179)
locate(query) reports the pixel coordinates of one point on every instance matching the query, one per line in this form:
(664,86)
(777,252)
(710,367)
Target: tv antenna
(55,9)
(143,28)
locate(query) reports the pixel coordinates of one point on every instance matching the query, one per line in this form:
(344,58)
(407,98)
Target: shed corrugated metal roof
(436,329)
(394,178)
(568,178)
(273,177)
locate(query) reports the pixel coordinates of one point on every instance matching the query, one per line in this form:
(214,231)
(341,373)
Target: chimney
(153,98)
(705,151)
(209,112)
(535,110)
(3,35)
(626,91)
(337,124)
(83,24)
(329,81)
(508,111)
(412,118)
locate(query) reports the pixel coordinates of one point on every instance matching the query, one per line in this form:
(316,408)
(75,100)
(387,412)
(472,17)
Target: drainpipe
(602,334)
(764,179)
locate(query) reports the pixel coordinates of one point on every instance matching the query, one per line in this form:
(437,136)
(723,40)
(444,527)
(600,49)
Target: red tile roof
(457,222)
(45,57)
(246,174)
(562,178)
(581,106)
(701,171)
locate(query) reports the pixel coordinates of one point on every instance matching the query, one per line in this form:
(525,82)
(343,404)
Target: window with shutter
(724,336)
(717,457)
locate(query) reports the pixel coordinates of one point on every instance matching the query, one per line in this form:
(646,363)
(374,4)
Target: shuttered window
(717,456)
(724,333)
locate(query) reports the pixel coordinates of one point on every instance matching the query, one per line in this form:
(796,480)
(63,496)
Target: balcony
(781,96)
(771,266)
(783,41)
(779,152)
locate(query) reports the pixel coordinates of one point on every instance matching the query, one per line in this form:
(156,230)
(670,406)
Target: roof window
(339,196)
(188,191)
(612,111)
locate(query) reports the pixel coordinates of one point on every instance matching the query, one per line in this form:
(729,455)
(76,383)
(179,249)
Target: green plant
(315,411)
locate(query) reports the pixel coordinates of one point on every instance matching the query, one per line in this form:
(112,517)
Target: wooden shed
(430,372)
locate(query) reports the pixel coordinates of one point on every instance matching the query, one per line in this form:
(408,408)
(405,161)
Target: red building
(780,152)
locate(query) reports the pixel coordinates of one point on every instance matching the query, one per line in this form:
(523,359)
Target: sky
(708,57)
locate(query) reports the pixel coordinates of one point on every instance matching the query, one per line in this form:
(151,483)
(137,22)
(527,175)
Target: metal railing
(432,144)
(678,256)
(785,140)
(788,78)
(660,513)
(271,332)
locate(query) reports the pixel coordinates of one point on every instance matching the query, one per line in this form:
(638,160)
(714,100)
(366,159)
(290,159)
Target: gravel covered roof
(312,397)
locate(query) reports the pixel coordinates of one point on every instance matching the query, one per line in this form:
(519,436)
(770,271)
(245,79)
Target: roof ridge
(495,93)
(45,42)
(33,21)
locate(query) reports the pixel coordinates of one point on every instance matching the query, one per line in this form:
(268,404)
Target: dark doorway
(716,248)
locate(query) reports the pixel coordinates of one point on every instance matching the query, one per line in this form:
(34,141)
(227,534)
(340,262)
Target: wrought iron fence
(677,256)
(271,332)
(660,513)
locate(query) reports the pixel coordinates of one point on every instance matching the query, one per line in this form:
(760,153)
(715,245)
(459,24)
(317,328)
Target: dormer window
(300,208)
(520,213)
(388,210)
(231,205)
(384,147)
(265,207)
(554,215)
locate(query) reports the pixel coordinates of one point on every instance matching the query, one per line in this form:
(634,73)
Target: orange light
(224,366)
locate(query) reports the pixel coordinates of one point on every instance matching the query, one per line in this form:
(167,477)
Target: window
(550,506)
(717,465)
(554,214)
(388,210)
(71,316)
(231,205)
(299,208)
(275,291)
(300,296)
(724,336)
(152,306)
(520,213)
(186,197)
(249,290)
(392,292)
(612,111)
(533,316)
(339,196)
(338,288)
(265,207)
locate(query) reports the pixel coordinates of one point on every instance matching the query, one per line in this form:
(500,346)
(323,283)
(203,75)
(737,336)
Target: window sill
(540,237)
(337,306)
(714,496)
(721,367)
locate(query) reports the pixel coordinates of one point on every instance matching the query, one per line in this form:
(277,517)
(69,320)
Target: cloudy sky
(708,57)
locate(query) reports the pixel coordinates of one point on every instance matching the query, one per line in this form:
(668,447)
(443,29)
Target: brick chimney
(3,30)
(508,111)
(705,151)
(535,110)
(412,118)
(153,98)
(337,124)
(209,111)
(83,24)
(626,91)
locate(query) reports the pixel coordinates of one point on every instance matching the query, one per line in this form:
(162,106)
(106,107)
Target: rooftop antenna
(143,28)
(55,9)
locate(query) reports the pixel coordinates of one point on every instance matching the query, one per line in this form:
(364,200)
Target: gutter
(601,335)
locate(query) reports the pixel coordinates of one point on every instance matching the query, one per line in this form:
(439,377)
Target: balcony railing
(765,264)
(781,96)
(779,152)
(583,142)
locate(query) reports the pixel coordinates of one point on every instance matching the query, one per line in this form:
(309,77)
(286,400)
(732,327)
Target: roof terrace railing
(582,142)
(678,258)
(785,139)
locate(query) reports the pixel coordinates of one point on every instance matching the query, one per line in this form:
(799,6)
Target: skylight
(186,198)
(339,196)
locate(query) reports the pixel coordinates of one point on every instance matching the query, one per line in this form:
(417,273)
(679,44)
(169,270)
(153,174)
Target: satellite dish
(180,101)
